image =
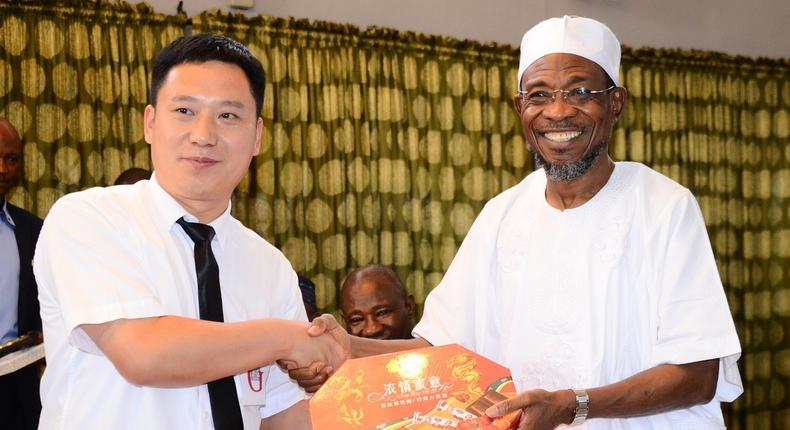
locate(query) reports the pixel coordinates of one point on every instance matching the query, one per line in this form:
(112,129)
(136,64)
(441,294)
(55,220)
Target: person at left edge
(19,397)
(117,272)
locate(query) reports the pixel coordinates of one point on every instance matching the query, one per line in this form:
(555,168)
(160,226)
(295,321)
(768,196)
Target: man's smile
(562,136)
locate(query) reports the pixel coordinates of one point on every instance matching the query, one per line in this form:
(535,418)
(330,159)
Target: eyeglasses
(574,96)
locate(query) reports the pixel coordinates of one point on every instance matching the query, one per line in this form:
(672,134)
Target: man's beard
(567,172)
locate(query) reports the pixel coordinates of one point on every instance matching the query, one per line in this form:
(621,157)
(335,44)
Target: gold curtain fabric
(379,146)
(382,146)
(75,83)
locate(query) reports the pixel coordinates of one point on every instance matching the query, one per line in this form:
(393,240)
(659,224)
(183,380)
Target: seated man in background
(19,314)
(161,310)
(132,175)
(374,304)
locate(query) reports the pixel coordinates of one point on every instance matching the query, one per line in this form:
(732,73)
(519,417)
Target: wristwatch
(582,407)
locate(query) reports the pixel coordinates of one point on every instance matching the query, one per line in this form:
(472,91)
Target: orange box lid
(428,388)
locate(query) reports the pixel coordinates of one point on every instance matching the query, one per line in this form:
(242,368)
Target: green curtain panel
(382,147)
(75,84)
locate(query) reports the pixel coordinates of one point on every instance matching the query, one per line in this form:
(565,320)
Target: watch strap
(582,407)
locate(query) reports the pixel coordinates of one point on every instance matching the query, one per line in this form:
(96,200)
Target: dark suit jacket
(20,405)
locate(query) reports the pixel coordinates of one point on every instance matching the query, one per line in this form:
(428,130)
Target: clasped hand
(310,372)
(317,352)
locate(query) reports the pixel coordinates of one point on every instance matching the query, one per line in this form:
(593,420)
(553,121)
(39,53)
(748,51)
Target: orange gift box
(440,387)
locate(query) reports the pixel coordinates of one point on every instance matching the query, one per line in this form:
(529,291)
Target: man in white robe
(593,281)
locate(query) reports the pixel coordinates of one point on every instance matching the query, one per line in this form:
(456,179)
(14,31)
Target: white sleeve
(456,311)
(281,391)
(89,268)
(694,319)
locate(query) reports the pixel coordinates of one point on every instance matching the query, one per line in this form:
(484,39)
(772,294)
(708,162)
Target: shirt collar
(168,211)
(7,219)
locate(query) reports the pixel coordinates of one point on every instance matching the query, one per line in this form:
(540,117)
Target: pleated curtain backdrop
(382,146)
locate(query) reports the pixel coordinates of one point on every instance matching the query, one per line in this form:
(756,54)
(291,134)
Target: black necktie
(222,392)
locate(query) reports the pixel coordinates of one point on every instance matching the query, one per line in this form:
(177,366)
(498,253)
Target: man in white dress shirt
(593,281)
(117,273)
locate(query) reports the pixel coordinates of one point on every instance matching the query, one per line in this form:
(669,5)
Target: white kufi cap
(584,37)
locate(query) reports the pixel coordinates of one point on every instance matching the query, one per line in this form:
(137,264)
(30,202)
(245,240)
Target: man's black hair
(132,175)
(204,47)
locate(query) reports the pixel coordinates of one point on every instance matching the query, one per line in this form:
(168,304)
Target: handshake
(317,352)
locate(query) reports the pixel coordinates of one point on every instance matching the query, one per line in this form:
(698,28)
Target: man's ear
(619,97)
(258,136)
(148,123)
(518,105)
(411,305)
